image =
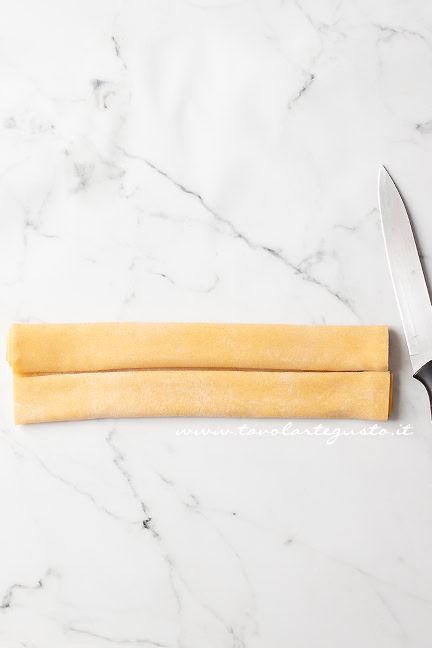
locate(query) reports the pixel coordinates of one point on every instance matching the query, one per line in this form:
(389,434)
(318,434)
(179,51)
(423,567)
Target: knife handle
(424,375)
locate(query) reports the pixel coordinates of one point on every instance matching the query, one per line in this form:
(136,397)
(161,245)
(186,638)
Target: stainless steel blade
(407,275)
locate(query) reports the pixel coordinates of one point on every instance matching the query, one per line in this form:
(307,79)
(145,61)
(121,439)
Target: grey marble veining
(212,161)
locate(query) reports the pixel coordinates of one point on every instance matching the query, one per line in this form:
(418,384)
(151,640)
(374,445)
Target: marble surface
(212,160)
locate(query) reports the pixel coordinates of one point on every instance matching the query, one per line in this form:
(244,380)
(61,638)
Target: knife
(409,284)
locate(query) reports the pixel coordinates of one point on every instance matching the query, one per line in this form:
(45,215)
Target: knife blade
(409,283)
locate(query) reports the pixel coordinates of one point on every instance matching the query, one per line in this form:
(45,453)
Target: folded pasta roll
(111,370)
(66,348)
(217,393)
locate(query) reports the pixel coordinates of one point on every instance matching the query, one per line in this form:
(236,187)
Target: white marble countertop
(212,160)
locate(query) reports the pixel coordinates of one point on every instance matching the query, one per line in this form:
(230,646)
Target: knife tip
(383,174)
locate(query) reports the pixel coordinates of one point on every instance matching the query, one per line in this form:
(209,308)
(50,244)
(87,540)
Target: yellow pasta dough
(65,348)
(111,370)
(218,393)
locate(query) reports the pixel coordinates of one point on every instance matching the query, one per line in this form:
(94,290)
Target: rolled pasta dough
(66,348)
(217,393)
